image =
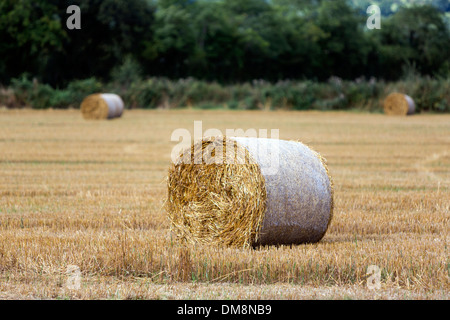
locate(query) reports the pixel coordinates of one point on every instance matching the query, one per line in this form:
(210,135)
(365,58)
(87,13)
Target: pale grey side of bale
(115,104)
(299,193)
(411,105)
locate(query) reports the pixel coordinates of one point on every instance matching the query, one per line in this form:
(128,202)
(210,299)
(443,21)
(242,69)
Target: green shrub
(23,88)
(79,89)
(336,94)
(151,93)
(61,99)
(40,96)
(32,93)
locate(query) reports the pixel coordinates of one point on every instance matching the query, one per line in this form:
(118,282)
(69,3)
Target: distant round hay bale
(265,191)
(102,106)
(399,104)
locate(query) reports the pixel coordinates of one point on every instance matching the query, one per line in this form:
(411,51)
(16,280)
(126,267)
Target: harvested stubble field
(91,194)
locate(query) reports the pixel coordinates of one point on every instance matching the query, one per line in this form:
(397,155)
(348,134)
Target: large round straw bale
(102,106)
(265,191)
(399,104)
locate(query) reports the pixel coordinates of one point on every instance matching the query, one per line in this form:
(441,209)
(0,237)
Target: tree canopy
(223,40)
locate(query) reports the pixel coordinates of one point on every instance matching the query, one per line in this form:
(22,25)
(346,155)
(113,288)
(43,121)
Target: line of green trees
(227,41)
(430,95)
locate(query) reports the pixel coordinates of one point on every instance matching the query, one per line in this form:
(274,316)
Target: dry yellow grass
(91,194)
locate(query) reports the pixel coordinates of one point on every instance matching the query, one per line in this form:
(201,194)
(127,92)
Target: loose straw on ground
(399,104)
(265,191)
(102,106)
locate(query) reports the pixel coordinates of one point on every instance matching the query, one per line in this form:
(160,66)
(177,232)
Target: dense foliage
(335,94)
(224,40)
